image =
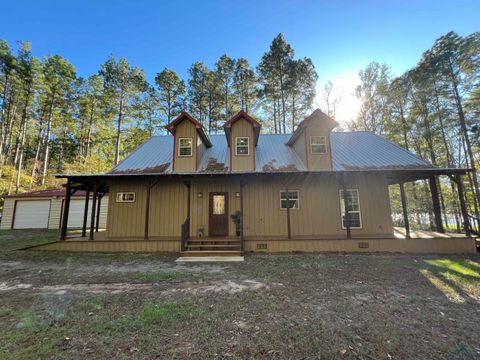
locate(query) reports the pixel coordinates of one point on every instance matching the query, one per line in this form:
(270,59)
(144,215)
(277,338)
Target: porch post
(347,212)
(66,209)
(99,204)
(405,211)
(147,211)
(436,204)
(241,216)
(85,212)
(94,203)
(463,207)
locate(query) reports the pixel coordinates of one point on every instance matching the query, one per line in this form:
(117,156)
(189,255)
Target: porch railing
(185,233)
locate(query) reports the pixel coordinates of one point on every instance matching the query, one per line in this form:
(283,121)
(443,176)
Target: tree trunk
(119,130)
(47,142)
(463,126)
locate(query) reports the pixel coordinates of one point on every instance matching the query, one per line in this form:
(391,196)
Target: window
(218,204)
(241,146)
(293,199)
(353,209)
(125,197)
(185,147)
(318,145)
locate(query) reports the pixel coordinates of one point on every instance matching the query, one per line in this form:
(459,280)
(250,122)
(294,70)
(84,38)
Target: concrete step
(197,253)
(189,245)
(204,240)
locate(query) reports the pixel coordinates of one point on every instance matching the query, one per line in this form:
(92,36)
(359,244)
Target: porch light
(237,194)
(200,194)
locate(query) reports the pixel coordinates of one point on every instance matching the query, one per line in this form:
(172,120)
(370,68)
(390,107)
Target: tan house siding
(185,129)
(319,208)
(200,206)
(317,161)
(318,215)
(127,220)
(168,209)
(242,128)
(7,215)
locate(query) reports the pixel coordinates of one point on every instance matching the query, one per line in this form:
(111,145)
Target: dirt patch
(129,267)
(225,286)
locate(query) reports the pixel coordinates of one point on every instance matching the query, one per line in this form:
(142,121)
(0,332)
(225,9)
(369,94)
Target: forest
(54,121)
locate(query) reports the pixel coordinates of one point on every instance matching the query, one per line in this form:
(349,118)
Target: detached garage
(43,210)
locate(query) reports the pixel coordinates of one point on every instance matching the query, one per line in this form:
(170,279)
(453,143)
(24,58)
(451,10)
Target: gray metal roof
(364,150)
(350,151)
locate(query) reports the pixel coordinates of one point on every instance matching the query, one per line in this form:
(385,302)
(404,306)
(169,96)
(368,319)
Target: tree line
(53,121)
(434,111)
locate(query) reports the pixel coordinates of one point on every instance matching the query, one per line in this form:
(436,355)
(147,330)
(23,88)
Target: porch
(399,240)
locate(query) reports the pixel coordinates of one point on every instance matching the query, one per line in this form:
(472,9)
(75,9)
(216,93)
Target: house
(42,209)
(242,191)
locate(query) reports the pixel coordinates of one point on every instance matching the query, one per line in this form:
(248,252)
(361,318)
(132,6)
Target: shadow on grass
(455,278)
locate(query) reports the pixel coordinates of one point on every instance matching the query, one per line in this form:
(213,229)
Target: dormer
(189,142)
(311,141)
(242,132)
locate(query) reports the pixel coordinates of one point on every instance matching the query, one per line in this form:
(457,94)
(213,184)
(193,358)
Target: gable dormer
(311,141)
(189,142)
(242,132)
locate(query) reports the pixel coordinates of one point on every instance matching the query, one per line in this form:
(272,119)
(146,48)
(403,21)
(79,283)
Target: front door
(218,214)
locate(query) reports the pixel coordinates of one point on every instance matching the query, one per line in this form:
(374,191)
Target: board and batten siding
(318,215)
(317,218)
(242,128)
(318,161)
(185,129)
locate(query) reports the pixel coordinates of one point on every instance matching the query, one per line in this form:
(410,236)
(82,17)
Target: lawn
(124,306)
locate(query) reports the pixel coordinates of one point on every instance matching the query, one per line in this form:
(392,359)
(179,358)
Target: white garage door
(75,215)
(32,214)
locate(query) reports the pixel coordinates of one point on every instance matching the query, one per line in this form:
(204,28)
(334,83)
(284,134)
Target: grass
(309,306)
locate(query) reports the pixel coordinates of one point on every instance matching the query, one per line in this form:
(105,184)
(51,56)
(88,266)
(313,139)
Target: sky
(341,37)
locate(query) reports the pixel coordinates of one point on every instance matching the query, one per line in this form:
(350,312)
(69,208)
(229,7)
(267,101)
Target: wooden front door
(218,214)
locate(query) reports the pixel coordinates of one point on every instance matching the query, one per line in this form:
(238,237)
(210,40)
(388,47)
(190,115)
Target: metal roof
(360,150)
(364,150)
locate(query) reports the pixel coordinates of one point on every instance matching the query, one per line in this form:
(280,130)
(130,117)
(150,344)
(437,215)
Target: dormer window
(318,145)
(242,146)
(185,146)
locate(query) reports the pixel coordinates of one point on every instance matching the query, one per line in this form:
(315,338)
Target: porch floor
(399,233)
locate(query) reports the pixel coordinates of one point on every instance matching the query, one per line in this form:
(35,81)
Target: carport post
(85,212)
(66,209)
(94,203)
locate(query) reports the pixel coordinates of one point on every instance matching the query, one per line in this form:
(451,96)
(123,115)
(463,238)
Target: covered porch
(97,185)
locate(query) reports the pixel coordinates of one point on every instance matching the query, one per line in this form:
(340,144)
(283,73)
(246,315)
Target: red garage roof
(45,193)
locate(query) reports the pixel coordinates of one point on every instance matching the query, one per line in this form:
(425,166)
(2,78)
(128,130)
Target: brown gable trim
(198,126)
(317,114)
(242,115)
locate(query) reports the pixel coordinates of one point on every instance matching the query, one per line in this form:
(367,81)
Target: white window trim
(340,191)
(298,201)
(179,147)
(326,146)
(121,194)
(248,145)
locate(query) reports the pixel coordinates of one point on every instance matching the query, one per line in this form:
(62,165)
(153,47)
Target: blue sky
(340,36)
